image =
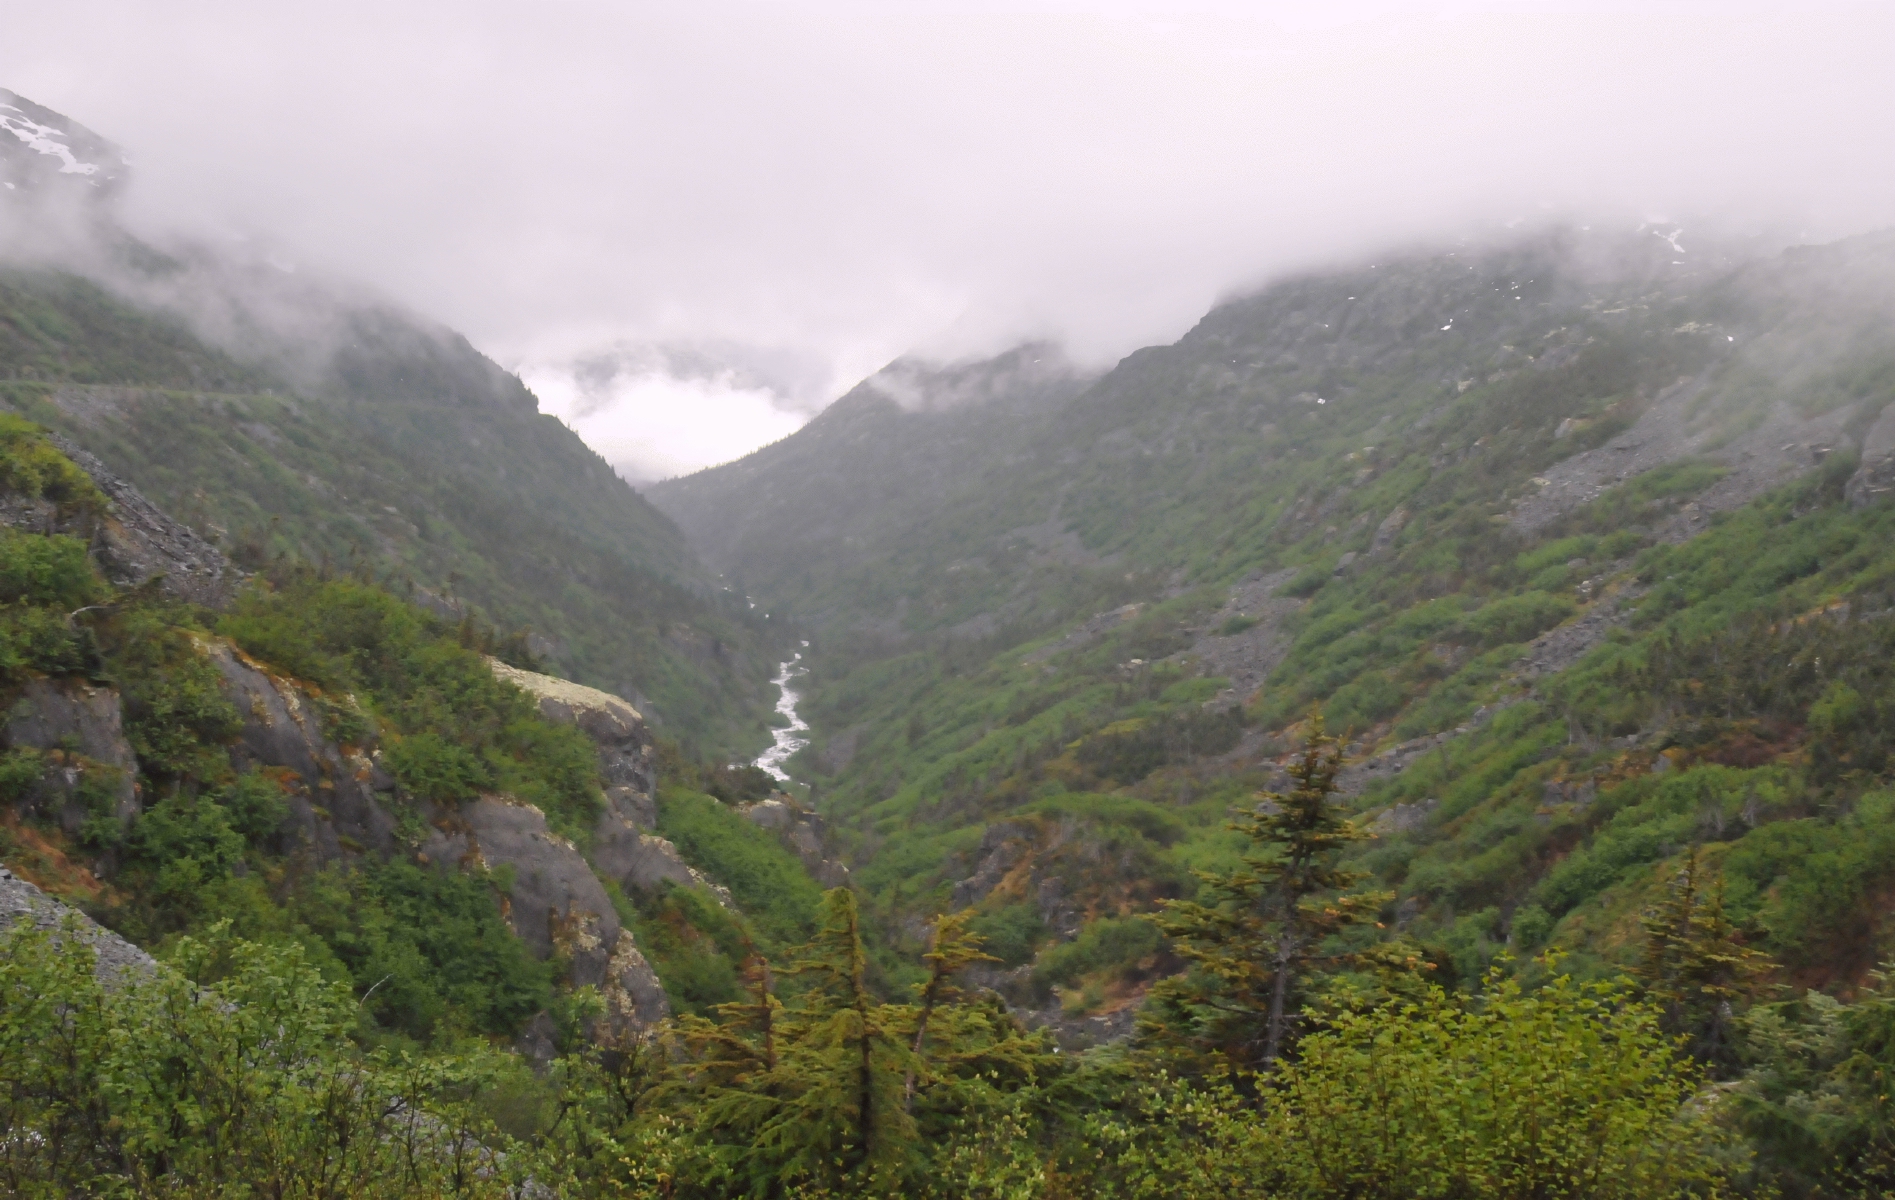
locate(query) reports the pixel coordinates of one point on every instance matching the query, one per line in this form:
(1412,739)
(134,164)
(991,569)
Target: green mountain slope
(1493,510)
(393,446)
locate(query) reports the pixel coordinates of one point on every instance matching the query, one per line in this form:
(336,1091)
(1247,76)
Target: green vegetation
(765,879)
(427,952)
(405,453)
(1275,920)
(1609,922)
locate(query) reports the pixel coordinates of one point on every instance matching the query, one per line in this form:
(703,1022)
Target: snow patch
(45,140)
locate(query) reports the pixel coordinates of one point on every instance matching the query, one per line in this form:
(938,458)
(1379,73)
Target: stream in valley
(789,738)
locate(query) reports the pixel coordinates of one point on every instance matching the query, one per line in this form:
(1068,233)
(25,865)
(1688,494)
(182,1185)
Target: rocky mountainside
(112,775)
(1500,510)
(280,415)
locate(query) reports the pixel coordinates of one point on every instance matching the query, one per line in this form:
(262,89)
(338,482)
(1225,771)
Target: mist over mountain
(1479,503)
(286,413)
(892,449)
(1419,728)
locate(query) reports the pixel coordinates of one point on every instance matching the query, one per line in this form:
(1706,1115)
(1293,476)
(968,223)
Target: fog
(690,226)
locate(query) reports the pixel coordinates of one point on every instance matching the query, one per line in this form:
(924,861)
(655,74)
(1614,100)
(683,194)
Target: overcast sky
(814,188)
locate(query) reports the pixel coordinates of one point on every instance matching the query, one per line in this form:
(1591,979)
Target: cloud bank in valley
(831,185)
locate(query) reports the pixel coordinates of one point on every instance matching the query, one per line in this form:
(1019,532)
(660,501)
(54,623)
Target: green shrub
(1112,943)
(1011,933)
(1513,619)
(31,466)
(768,882)
(42,641)
(435,769)
(46,570)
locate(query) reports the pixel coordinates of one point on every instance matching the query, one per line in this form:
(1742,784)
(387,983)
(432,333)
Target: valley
(1031,778)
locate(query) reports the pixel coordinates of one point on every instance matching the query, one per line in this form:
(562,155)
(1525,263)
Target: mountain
(1575,539)
(870,465)
(48,150)
(281,414)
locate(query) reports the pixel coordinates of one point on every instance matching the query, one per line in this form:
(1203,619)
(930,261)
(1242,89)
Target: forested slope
(392,444)
(1508,515)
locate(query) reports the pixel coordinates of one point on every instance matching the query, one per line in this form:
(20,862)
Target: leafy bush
(46,570)
(1111,943)
(1520,618)
(31,466)
(455,729)
(241,1083)
(435,769)
(40,640)
(1011,933)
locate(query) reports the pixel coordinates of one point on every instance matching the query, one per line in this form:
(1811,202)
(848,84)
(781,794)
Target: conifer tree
(1270,923)
(844,1044)
(952,947)
(1695,965)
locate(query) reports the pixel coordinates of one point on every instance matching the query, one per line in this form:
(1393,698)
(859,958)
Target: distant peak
(1018,378)
(41,150)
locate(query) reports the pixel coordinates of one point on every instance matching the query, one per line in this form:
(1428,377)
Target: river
(789,739)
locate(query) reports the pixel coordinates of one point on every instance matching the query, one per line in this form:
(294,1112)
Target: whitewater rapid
(787,740)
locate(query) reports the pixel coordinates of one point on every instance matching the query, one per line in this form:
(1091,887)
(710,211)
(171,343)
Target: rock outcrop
(1875,473)
(801,832)
(610,721)
(117,960)
(1678,424)
(138,541)
(332,790)
(133,541)
(643,862)
(624,849)
(555,903)
(81,726)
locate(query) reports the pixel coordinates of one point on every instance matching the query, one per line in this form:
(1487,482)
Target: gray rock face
(1001,846)
(1245,658)
(72,716)
(555,901)
(1875,476)
(137,540)
(118,961)
(801,832)
(639,861)
(610,721)
(1404,818)
(1386,533)
(555,905)
(134,541)
(332,789)
(1784,446)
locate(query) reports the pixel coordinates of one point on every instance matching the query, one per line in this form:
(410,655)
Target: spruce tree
(952,947)
(1695,964)
(1270,924)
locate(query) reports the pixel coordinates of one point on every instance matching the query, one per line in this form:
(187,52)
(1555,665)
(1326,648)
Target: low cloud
(845,183)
